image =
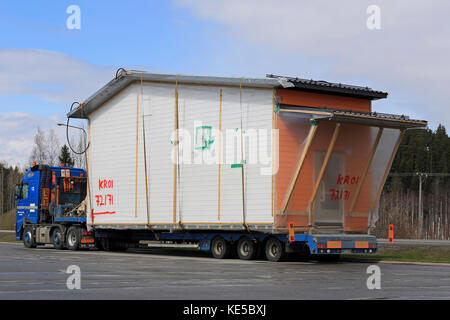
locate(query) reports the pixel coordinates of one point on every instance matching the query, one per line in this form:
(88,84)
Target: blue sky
(44,66)
(153,34)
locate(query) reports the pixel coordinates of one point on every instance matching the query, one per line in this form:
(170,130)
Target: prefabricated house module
(200,156)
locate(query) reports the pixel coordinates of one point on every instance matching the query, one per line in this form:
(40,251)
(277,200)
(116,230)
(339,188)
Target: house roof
(333,87)
(125,77)
(364,118)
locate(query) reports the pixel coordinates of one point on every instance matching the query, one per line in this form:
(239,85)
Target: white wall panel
(198,196)
(112,155)
(159,109)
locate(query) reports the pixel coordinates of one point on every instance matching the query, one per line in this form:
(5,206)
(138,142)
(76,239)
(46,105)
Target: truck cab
(50,200)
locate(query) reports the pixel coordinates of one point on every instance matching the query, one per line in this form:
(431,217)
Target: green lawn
(410,254)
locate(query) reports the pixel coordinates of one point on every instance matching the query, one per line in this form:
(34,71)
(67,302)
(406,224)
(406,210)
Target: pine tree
(65,158)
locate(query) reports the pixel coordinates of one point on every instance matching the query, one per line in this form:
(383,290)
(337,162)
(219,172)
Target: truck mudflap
(337,244)
(87,240)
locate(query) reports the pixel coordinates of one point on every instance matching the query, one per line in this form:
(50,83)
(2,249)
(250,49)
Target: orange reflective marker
(361,244)
(391,233)
(291,232)
(334,244)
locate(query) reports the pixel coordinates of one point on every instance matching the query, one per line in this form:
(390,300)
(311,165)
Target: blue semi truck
(51,209)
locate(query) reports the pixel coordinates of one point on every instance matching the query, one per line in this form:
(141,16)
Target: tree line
(47,149)
(424,152)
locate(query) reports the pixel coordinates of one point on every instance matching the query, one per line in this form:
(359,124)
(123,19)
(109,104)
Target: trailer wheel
(220,248)
(275,250)
(28,238)
(58,238)
(246,249)
(73,238)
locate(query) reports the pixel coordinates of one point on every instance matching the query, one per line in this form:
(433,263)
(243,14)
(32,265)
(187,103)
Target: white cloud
(408,56)
(49,76)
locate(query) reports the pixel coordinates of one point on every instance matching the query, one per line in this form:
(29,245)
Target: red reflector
(391,233)
(291,232)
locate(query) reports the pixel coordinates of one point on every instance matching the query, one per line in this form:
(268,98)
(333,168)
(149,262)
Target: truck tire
(28,238)
(275,250)
(246,249)
(58,238)
(220,248)
(73,238)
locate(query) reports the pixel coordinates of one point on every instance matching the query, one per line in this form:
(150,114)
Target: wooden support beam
(273,150)
(324,167)
(175,165)
(137,159)
(220,151)
(366,170)
(301,161)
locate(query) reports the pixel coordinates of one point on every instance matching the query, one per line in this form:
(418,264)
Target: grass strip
(408,254)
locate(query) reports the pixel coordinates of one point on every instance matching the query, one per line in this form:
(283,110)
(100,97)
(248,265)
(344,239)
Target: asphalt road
(181,274)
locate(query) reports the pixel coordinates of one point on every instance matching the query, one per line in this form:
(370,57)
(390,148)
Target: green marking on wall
(203,139)
(238,165)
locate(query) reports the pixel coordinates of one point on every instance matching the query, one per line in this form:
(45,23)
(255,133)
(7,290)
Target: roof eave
(127,77)
(372,95)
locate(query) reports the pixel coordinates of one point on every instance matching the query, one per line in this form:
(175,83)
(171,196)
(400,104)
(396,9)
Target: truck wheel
(246,249)
(28,238)
(274,250)
(58,239)
(220,248)
(73,238)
